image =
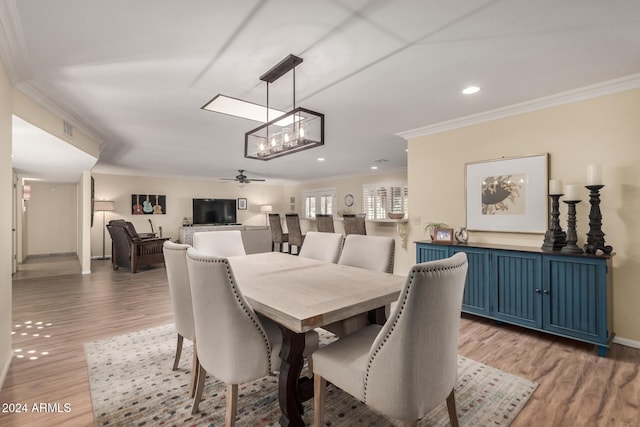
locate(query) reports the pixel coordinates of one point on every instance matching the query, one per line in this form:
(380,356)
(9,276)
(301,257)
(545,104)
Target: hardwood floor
(577,388)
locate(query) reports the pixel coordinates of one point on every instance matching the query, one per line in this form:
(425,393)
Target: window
(380,199)
(319,201)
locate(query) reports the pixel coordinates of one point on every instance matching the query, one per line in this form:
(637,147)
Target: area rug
(132,384)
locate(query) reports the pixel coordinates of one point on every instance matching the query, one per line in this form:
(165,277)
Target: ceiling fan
(242,179)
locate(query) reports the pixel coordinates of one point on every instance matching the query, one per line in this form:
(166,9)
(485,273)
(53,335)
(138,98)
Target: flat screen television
(214,211)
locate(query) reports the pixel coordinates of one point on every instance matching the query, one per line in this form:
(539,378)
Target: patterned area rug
(132,384)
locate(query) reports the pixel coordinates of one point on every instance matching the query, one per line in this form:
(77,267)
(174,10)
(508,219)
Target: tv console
(255,238)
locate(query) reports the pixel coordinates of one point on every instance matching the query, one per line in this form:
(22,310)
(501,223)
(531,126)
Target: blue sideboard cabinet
(566,295)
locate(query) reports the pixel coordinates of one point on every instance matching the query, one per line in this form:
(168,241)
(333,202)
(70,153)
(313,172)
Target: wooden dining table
(302,294)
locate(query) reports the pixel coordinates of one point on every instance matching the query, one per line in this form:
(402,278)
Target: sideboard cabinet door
(476,298)
(428,252)
(575,297)
(516,288)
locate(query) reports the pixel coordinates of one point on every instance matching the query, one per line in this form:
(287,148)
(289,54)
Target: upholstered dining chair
(374,253)
(223,243)
(370,252)
(324,223)
(277,236)
(235,345)
(322,246)
(175,256)
(354,224)
(295,234)
(414,353)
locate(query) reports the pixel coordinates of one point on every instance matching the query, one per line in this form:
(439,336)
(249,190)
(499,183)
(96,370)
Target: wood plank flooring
(577,388)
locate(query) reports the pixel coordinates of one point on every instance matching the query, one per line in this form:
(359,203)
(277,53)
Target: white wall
(52,219)
(5,222)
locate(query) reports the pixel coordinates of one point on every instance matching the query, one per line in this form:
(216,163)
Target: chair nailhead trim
(415,270)
(250,313)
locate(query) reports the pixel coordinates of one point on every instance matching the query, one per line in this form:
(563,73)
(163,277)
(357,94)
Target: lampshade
(266,208)
(104,206)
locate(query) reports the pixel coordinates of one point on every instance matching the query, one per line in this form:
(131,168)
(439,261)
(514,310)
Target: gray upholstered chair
(354,224)
(374,253)
(296,238)
(235,345)
(322,246)
(324,223)
(175,257)
(223,243)
(277,236)
(407,367)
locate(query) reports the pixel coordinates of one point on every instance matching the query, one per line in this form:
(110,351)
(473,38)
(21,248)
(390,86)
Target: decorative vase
(462,235)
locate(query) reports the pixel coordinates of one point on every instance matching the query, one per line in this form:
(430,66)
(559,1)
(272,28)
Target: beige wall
(52,218)
(404,257)
(5,223)
(34,113)
(603,130)
(180,193)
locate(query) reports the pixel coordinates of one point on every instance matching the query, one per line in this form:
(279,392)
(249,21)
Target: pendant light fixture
(291,132)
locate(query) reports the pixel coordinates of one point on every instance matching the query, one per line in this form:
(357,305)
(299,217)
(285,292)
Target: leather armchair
(129,249)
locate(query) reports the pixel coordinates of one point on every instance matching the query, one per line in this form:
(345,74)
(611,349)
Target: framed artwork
(508,194)
(148,204)
(443,235)
(242,204)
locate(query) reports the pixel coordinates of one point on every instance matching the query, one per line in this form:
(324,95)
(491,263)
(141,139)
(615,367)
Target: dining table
(301,294)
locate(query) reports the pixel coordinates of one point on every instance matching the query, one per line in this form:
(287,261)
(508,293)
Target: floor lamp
(104,206)
(266,209)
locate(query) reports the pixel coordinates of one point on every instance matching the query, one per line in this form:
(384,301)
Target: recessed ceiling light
(374,167)
(471,90)
(321,159)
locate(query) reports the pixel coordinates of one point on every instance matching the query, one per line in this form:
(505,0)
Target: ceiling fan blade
(257,179)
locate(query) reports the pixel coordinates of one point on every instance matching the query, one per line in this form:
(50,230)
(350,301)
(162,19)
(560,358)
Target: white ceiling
(38,155)
(137,73)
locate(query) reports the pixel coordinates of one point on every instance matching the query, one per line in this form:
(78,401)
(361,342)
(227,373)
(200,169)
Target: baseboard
(627,342)
(5,368)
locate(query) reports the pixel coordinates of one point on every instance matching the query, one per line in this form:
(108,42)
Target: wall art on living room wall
(508,194)
(148,204)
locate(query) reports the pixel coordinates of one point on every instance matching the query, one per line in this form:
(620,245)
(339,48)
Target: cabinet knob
(537,291)
(546,291)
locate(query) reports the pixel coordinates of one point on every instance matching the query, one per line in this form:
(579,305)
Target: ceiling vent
(68,129)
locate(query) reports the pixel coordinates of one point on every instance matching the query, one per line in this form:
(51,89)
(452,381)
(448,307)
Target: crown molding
(12,44)
(588,92)
(13,51)
(30,89)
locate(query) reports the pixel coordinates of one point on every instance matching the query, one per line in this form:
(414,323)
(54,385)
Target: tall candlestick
(595,236)
(571,192)
(572,237)
(555,187)
(594,174)
(554,238)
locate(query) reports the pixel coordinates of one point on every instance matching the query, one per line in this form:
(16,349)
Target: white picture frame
(507,194)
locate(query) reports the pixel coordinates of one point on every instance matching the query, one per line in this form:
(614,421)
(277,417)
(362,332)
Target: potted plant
(430,227)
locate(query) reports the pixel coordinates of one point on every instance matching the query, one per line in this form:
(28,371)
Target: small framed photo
(242,204)
(443,235)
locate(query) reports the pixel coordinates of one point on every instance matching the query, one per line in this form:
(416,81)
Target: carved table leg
(292,390)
